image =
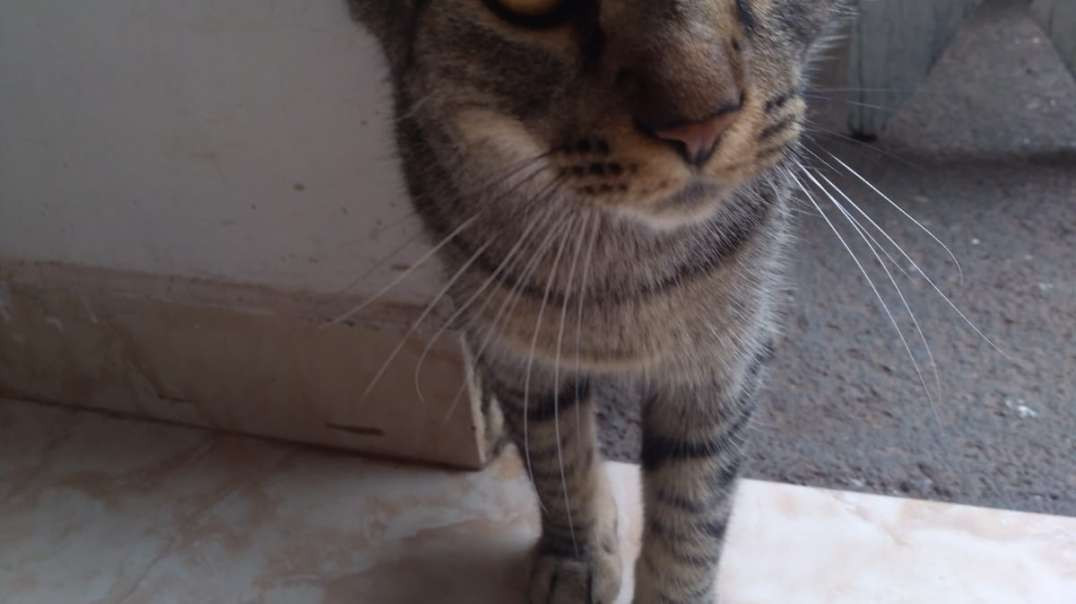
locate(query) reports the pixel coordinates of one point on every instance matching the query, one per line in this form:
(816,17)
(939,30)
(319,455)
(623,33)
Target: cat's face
(658,109)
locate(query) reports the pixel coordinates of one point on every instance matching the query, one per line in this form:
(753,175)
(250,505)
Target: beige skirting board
(240,358)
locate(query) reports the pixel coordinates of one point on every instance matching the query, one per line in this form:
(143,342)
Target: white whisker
(859,265)
(931,282)
(380,263)
(510,301)
(455,403)
(959,268)
(534,346)
(579,322)
(867,233)
(812,129)
(847,101)
(858,227)
(939,423)
(508,260)
(872,243)
(512,297)
(400,279)
(432,252)
(422,317)
(556,376)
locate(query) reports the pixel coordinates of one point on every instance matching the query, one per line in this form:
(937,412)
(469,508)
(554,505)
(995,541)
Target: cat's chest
(625,328)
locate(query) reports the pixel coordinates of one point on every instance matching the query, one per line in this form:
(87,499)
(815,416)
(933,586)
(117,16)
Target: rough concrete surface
(985,156)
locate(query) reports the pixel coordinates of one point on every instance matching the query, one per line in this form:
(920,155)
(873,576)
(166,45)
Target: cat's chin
(696,202)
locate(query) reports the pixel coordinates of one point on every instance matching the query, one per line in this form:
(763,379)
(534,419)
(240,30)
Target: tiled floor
(104,510)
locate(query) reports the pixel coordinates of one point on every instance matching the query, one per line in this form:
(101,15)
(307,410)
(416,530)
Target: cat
(609,184)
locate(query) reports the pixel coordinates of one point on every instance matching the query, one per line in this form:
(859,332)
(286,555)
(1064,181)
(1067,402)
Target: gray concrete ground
(985,156)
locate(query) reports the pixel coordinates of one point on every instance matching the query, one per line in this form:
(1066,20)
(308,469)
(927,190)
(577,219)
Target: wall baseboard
(235,357)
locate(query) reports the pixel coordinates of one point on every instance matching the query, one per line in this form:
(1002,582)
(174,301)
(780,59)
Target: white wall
(174,138)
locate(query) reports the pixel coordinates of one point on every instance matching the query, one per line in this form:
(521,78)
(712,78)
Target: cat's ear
(389,20)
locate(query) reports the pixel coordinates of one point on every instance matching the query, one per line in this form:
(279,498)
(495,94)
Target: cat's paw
(589,580)
(591,577)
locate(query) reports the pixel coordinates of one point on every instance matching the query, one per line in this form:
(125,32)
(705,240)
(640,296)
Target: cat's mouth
(695,201)
(598,175)
(696,194)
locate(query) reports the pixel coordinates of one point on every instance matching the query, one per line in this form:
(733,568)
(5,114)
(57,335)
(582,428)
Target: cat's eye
(531,13)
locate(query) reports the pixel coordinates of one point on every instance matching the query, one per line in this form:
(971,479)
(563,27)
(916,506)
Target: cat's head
(659,109)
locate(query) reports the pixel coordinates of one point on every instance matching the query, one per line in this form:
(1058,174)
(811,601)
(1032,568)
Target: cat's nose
(686,99)
(697,140)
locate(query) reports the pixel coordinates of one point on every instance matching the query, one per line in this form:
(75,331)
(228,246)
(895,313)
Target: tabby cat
(607,180)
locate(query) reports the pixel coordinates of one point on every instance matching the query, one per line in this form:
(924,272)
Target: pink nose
(699,138)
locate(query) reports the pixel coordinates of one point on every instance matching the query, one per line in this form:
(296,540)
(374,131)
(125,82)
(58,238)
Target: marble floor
(103,510)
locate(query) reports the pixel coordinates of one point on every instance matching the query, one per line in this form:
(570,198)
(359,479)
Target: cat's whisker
(853,89)
(812,130)
(874,244)
(936,415)
(571,280)
(512,170)
(862,232)
(455,404)
(381,262)
(819,97)
(859,264)
(583,281)
(510,301)
(402,219)
(905,213)
(432,305)
(534,345)
(579,240)
(407,273)
(513,297)
(435,249)
(405,219)
(422,317)
(882,248)
(952,305)
(414,108)
(504,266)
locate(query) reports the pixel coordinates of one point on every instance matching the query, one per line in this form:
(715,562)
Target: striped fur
(588,256)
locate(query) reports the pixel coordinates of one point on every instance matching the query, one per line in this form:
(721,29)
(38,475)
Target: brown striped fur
(586,250)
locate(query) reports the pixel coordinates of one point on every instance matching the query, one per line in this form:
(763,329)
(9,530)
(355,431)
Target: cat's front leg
(693,437)
(550,417)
